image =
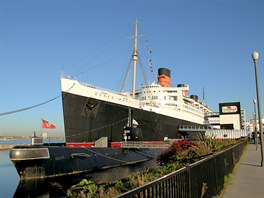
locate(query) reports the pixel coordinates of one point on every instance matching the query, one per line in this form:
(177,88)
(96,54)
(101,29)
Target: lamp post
(255,57)
(255,124)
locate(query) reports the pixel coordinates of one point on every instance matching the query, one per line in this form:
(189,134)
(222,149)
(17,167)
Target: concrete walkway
(248,180)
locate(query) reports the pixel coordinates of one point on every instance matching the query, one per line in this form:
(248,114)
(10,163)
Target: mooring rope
(33,106)
(146,155)
(115,159)
(107,156)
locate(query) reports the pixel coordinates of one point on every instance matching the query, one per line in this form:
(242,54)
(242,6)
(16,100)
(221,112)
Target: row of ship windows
(170,104)
(156,98)
(150,91)
(159,91)
(153,97)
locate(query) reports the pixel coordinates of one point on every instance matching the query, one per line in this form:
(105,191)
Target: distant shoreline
(4,147)
(26,138)
(8,142)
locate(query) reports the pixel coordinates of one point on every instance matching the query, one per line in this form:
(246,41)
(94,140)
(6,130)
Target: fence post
(216,175)
(189,180)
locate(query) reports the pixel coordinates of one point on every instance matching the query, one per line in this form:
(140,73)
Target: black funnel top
(164,71)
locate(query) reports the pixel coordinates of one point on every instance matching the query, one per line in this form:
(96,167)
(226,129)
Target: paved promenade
(248,181)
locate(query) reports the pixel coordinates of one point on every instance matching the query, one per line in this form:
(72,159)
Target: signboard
(229,108)
(230,115)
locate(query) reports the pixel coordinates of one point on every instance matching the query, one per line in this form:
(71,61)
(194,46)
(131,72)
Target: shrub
(176,149)
(213,144)
(82,188)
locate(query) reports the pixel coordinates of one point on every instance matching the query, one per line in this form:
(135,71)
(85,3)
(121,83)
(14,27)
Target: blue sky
(205,43)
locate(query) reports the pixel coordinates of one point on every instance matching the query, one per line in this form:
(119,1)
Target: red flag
(47,125)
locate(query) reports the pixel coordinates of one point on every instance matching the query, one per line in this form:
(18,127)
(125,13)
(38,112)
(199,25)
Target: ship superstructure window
(171,104)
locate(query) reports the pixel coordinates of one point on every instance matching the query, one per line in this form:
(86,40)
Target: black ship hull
(35,162)
(88,119)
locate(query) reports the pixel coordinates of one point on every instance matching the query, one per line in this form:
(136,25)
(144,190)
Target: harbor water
(9,178)
(11,186)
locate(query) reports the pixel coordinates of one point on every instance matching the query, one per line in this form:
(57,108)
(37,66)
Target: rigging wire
(34,106)
(102,51)
(159,133)
(97,129)
(129,70)
(126,77)
(142,69)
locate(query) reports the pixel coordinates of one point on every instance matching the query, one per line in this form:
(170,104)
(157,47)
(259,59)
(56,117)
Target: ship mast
(135,58)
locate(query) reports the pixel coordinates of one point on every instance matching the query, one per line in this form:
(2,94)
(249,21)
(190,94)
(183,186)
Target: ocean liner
(156,108)
(106,129)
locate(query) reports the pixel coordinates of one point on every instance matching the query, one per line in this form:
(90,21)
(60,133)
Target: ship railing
(194,128)
(100,88)
(141,144)
(91,85)
(212,114)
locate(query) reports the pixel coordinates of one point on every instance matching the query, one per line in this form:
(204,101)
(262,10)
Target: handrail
(140,144)
(188,181)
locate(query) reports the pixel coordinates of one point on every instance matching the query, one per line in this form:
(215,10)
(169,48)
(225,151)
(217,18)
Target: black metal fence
(201,179)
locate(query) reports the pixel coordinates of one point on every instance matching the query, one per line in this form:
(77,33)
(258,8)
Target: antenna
(62,69)
(203,95)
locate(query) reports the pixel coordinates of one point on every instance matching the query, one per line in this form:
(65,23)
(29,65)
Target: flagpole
(41,128)
(47,125)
